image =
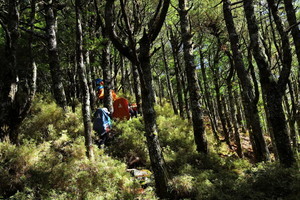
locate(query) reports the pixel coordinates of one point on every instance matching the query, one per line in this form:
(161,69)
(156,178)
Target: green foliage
(51,163)
(219,175)
(48,122)
(60,170)
(130,141)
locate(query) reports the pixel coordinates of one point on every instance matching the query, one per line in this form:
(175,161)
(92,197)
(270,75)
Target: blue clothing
(98,81)
(102,122)
(100,87)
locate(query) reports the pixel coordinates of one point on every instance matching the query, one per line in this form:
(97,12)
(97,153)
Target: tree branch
(159,20)
(36,34)
(124,49)
(127,25)
(99,22)
(291,27)
(154,51)
(28,24)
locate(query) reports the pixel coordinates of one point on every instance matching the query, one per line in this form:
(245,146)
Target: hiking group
(102,122)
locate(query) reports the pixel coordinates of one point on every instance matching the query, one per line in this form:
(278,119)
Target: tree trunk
(55,68)
(170,88)
(273,89)
(199,132)
(232,109)
(175,51)
(83,82)
(293,118)
(240,117)
(136,87)
(286,61)
(220,108)
(141,59)
(207,97)
(123,79)
(294,27)
(148,99)
(10,78)
(106,70)
(160,90)
(90,80)
(292,20)
(249,99)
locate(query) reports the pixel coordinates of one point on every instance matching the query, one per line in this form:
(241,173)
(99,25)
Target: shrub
(60,170)
(129,141)
(48,122)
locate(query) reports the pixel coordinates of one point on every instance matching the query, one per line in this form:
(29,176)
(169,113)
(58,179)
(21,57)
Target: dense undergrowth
(51,163)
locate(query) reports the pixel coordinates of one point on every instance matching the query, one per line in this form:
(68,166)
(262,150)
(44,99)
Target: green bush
(60,170)
(129,141)
(51,163)
(47,122)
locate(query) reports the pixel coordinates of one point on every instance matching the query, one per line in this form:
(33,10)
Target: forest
(214,86)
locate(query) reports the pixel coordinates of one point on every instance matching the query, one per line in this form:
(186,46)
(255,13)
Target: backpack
(102,122)
(121,110)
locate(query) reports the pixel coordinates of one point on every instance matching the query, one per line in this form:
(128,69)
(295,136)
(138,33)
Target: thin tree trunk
(136,87)
(170,88)
(292,120)
(292,20)
(219,105)
(192,79)
(83,81)
(175,52)
(232,109)
(159,90)
(55,68)
(90,80)
(123,80)
(207,96)
(107,77)
(239,113)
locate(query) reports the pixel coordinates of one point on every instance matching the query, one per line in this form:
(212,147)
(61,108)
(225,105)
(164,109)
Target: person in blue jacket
(102,124)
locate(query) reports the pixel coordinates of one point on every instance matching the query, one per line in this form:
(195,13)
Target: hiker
(100,88)
(102,125)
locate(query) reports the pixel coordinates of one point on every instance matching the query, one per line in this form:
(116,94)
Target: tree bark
(107,77)
(292,20)
(54,63)
(83,82)
(136,87)
(169,84)
(90,79)
(273,89)
(175,51)
(192,79)
(232,109)
(10,77)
